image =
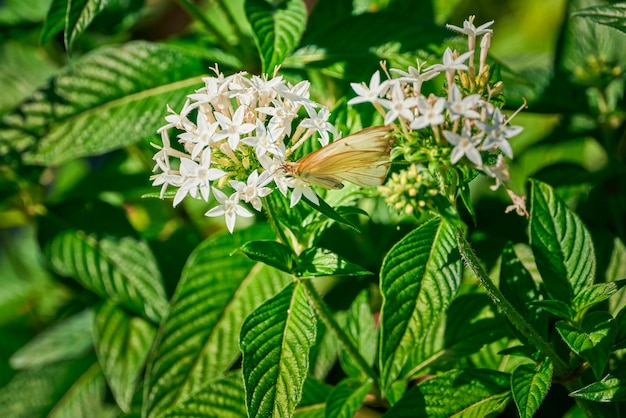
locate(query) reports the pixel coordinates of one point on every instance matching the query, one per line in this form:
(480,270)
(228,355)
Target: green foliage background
(116,305)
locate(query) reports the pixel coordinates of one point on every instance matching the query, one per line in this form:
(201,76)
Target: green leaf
(36,392)
(592,340)
(458,393)
(561,244)
(419,277)
(325,209)
(530,385)
(120,100)
(613,15)
(223,397)
(275,341)
(518,286)
(271,253)
(361,329)
(314,392)
(314,262)
(616,270)
(65,340)
(612,388)
(347,397)
(198,341)
(592,295)
(122,269)
(86,396)
(557,308)
(122,344)
(55,20)
(277,28)
(79,15)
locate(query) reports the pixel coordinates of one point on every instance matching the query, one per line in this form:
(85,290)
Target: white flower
(281,117)
(462,106)
(319,122)
(201,137)
(229,207)
(450,63)
(399,105)
(252,191)
(273,166)
(369,94)
(267,89)
(196,177)
(179,121)
(500,172)
(301,188)
(416,76)
(498,133)
(430,115)
(465,144)
(233,128)
(265,141)
(470,30)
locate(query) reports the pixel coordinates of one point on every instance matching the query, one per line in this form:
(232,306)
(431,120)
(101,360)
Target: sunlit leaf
(612,388)
(122,269)
(198,341)
(592,340)
(223,398)
(613,15)
(277,28)
(458,393)
(65,340)
(346,398)
(121,99)
(562,245)
(419,277)
(122,344)
(275,341)
(530,385)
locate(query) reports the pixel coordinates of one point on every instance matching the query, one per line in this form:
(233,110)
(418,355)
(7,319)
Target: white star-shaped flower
(429,115)
(254,189)
(233,128)
(498,133)
(229,207)
(370,94)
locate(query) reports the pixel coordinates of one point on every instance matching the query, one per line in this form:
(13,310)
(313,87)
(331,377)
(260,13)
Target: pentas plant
(444,138)
(235,134)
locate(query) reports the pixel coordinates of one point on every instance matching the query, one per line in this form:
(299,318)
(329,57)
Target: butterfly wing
(361,158)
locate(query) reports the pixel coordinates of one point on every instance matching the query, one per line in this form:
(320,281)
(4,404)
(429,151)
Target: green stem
(505,307)
(328,319)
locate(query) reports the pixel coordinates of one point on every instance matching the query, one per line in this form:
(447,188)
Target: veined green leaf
(594,294)
(36,392)
(223,398)
(458,393)
(110,98)
(617,271)
(271,253)
(277,28)
(419,277)
(347,397)
(84,398)
(613,15)
(79,15)
(55,20)
(530,385)
(65,340)
(361,329)
(612,388)
(561,244)
(275,341)
(122,344)
(592,339)
(122,269)
(198,340)
(315,262)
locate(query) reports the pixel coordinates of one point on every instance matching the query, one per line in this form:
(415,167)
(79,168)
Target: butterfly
(362,158)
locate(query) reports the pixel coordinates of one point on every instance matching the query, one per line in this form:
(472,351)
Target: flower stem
(505,307)
(328,319)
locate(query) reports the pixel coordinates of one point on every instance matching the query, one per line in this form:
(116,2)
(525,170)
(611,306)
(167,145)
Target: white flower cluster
(235,134)
(470,124)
